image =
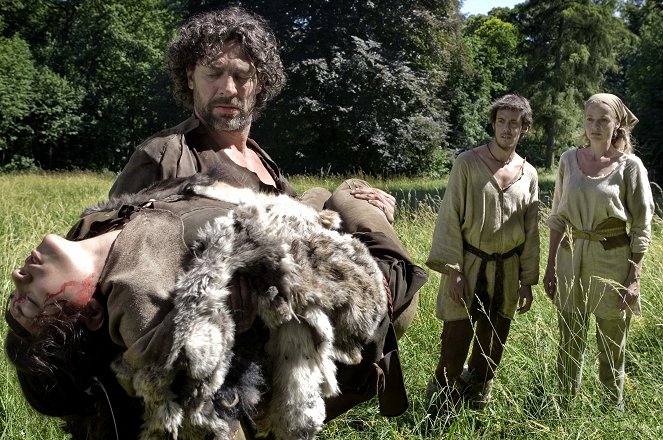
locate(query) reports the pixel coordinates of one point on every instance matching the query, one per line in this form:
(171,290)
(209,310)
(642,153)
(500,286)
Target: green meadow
(525,397)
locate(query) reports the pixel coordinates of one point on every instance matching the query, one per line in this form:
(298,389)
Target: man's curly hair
(201,40)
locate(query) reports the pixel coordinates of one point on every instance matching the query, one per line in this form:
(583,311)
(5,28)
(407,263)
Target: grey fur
(325,300)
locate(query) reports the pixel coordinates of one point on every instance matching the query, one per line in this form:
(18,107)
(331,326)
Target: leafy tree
(102,80)
(55,120)
(364,85)
(569,47)
(645,84)
(114,50)
(17,72)
(485,62)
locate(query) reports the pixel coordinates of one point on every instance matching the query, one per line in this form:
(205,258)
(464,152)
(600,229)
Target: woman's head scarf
(625,117)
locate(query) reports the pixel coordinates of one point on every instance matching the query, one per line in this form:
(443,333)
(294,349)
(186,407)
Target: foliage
(362,88)
(482,70)
(569,47)
(17,71)
(375,86)
(645,86)
(95,70)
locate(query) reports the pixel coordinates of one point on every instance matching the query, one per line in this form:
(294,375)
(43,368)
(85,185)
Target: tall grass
(525,404)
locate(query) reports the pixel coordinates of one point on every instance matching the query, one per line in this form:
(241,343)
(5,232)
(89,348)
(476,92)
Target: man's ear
(189,77)
(524,130)
(95,318)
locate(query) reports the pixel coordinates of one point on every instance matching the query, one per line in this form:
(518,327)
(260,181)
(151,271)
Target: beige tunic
(477,210)
(588,275)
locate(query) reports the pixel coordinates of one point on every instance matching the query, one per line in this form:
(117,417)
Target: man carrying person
(225,66)
(486,245)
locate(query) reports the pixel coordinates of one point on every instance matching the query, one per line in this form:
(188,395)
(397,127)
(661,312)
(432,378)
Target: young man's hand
(525,299)
(458,287)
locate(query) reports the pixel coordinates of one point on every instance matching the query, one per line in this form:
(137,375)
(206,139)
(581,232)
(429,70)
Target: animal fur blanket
(324,299)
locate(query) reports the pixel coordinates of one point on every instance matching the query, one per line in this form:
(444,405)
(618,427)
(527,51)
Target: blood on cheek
(80,292)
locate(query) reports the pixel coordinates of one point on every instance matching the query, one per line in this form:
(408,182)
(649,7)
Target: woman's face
(600,122)
(56,273)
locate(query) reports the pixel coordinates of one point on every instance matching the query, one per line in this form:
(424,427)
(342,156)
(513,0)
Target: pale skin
(505,166)
(60,271)
(599,159)
(224,93)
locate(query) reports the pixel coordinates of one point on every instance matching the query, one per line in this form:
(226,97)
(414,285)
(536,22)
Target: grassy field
(524,398)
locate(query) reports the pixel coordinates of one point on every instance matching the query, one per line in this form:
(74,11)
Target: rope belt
(611,233)
(481,289)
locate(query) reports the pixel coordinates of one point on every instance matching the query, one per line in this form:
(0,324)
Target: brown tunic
(174,152)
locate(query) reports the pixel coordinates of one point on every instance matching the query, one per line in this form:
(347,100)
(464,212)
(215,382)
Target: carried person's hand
(385,201)
(243,303)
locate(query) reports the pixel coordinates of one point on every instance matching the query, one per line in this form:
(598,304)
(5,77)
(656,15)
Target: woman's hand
(550,277)
(550,281)
(385,201)
(458,287)
(525,299)
(629,296)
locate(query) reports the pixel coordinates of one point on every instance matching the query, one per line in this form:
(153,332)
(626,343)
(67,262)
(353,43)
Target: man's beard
(228,123)
(506,145)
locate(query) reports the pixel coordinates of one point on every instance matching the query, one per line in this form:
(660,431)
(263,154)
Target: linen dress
(589,276)
(495,220)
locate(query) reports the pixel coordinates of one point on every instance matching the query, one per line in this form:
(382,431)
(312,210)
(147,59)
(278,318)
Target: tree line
(376,86)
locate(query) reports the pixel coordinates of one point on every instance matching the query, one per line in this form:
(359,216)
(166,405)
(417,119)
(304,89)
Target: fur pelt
(324,298)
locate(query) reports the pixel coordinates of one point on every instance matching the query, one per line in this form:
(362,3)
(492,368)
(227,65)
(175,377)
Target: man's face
(508,127)
(224,91)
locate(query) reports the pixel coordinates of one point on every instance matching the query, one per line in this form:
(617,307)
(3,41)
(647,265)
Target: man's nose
(228,86)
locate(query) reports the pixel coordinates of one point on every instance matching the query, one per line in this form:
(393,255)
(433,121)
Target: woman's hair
(202,38)
(64,371)
(512,102)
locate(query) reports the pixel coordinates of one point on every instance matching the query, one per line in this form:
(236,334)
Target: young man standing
(486,245)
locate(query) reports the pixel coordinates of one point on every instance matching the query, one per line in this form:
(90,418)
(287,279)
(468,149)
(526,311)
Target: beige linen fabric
(588,275)
(475,209)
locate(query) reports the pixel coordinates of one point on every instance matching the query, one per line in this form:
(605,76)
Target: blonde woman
(600,228)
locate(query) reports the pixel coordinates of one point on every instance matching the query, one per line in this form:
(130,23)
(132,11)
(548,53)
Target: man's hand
(525,299)
(458,287)
(243,303)
(385,201)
